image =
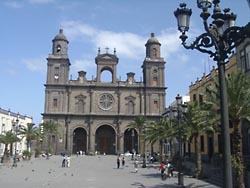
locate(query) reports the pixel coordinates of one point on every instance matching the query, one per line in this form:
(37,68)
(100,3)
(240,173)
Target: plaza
(89,172)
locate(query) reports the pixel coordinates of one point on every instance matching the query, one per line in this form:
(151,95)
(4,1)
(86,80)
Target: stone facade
(93,115)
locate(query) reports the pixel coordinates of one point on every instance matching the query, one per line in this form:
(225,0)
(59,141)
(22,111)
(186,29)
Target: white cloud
(126,44)
(36,64)
(13,4)
(41,1)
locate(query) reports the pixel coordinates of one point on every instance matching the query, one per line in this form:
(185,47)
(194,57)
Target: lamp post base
(180,179)
(144,163)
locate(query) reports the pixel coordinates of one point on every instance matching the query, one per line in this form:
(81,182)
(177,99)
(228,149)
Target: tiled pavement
(87,172)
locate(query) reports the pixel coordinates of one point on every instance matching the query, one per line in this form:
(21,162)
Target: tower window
(55,103)
(156,105)
(154,52)
(58,48)
(155,81)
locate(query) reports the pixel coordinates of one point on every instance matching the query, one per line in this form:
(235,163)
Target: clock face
(56,76)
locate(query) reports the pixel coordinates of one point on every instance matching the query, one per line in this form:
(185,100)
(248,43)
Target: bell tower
(154,77)
(58,61)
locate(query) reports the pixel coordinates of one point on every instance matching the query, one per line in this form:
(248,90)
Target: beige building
(93,115)
(8,121)
(211,142)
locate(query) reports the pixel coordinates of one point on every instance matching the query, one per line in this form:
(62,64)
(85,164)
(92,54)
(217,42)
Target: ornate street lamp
(133,142)
(144,147)
(15,128)
(181,109)
(219,39)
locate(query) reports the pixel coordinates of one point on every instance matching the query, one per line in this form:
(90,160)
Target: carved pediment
(80,97)
(130,98)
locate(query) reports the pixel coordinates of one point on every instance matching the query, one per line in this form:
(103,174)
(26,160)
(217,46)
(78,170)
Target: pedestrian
(162,168)
(63,161)
(123,161)
(136,165)
(118,161)
(170,169)
(68,161)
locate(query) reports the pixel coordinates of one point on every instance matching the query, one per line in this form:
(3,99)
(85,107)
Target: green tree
(139,123)
(29,133)
(50,128)
(197,121)
(7,138)
(160,131)
(238,92)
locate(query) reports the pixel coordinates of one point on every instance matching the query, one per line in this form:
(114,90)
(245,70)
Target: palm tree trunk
(5,154)
(172,150)
(198,156)
(237,155)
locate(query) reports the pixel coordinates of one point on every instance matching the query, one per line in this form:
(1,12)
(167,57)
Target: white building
(8,120)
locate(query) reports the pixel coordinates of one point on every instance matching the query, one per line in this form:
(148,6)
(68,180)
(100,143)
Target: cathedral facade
(93,115)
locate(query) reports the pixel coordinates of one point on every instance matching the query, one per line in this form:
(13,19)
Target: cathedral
(93,115)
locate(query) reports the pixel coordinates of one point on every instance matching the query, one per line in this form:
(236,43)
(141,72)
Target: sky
(28,27)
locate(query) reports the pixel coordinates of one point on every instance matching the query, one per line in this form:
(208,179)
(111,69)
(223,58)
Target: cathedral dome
(60,36)
(153,39)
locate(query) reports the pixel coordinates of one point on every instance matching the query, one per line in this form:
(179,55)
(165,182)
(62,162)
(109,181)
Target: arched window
(155,81)
(130,107)
(154,52)
(80,106)
(106,76)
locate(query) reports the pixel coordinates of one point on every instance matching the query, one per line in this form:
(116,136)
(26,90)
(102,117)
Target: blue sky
(28,27)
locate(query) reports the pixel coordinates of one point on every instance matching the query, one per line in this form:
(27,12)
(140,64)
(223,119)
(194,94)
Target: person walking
(118,161)
(136,165)
(123,161)
(162,168)
(68,161)
(170,169)
(63,161)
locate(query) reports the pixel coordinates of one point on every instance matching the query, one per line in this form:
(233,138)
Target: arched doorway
(79,140)
(105,140)
(130,140)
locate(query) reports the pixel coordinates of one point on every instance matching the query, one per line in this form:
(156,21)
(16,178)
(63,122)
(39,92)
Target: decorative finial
(107,50)
(99,50)
(115,51)
(61,31)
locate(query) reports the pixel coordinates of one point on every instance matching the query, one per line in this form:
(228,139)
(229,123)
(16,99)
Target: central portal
(105,140)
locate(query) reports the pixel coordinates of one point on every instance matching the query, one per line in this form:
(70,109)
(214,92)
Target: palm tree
(159,132)
(139,124)
(30,133)
(7,138)
(238,92)
(50,128)
(197,121)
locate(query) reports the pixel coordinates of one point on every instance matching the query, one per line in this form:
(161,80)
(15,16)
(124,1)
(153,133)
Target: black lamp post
(144,147)
(15,127)
(181,108)
(219,39)
(133,142)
